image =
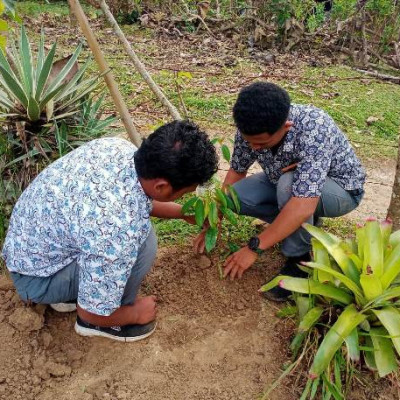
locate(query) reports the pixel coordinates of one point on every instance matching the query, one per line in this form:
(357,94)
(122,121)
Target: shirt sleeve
(316,155)
(105,265)
(243,156)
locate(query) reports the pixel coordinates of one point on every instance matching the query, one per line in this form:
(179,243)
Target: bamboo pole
(137,63)
(103,67)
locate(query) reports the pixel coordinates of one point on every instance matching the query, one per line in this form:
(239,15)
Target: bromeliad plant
(352,299)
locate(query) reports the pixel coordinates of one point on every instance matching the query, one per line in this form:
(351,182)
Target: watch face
(254,243)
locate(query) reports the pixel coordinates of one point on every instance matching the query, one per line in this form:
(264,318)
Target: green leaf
(390,319)
(211,238)
(221,197)
(371,285)
(26,60)
(226,152)
(353,346)
(344,325)
(304,304)
(235,198)
(64,72)
(3,25)
(213,215)
(310,319)
(199,213)
(373,249)
(385,296)
(332,244)
(308,286)
(287,311)
(10,5)
(343,278)
(394,238)
(230,204)
(391,267)
(14,88)
(44,73)
(33,110)
(229,215)
(332,388)
(385,358)
(369,355)
(40,55)
(188,206)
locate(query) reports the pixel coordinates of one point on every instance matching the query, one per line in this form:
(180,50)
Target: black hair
(180,153)
(261,107)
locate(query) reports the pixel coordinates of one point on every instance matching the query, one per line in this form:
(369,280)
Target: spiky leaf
(347,321)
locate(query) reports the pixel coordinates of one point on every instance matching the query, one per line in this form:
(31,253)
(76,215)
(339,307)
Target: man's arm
(292,215)
(232,177)
(168,210)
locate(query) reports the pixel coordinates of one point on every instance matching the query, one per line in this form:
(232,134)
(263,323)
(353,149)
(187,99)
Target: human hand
(238,262)
(145,309)
(199,243)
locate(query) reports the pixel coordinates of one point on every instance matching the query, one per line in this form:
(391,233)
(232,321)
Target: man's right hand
(145,309)
(199,243)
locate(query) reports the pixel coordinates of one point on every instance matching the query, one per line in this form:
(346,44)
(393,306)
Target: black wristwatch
(253,244)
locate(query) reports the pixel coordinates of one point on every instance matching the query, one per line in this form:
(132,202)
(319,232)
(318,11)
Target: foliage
(47,109)
(212,203)
(350,299)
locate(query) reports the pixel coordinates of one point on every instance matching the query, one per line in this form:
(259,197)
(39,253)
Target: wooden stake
(137,63)
(103,67)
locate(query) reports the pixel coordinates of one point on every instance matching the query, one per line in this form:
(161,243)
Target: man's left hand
(238,262)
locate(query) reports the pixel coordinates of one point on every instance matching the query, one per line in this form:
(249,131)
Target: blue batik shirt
(87,206)
(316,144)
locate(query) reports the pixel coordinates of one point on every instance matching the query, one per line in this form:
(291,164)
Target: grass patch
(342,227)
(58,8)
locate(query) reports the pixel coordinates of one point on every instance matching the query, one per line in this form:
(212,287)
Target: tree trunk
(394,207)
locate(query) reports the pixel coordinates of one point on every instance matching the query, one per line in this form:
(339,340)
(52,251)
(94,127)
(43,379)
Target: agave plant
(36,93)
(47,109)
(352,297)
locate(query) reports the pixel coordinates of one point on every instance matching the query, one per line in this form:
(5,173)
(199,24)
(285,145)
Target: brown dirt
(215,340)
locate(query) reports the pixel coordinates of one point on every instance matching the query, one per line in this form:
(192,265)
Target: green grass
(58,8)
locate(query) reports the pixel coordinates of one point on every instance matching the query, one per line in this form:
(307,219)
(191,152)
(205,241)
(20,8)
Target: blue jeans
(262,199)
(64,285)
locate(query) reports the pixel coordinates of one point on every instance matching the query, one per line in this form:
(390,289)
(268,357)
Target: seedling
(212,203)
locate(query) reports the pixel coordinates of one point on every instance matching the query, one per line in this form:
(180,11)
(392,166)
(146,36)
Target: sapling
(212,203)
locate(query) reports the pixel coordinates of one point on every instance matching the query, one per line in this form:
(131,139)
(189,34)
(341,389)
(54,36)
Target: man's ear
(288,124)
(162,187)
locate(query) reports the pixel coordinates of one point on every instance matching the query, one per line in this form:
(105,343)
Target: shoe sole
(80,330)
(63,307)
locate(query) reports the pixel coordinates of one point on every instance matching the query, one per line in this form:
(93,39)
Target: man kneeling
(81,232)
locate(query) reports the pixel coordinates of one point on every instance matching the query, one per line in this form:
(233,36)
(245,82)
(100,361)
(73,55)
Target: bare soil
(215,340)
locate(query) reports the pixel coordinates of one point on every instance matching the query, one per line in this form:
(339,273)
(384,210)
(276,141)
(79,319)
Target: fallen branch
(137,63)
(383,77)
